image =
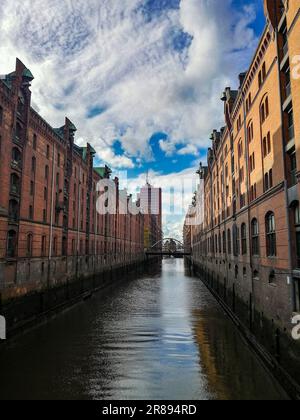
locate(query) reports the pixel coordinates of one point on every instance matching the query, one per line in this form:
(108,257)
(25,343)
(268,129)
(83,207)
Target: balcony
(285,49)
(291,131)
(288,90)
(294,179)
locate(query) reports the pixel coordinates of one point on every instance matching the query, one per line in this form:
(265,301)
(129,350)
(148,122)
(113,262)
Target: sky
(140,79)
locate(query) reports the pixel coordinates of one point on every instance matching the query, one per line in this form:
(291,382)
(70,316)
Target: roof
(103,171)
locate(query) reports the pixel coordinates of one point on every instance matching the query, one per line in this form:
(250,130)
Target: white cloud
(189,149)
(89,53)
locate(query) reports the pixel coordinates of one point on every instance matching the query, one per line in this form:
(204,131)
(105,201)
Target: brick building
(50,231)
(248,244)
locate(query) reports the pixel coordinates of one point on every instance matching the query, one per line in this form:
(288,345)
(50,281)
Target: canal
(161,336)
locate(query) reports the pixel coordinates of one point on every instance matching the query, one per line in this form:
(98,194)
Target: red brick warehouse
(50,231)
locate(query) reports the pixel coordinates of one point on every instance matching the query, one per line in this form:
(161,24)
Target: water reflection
(161,336)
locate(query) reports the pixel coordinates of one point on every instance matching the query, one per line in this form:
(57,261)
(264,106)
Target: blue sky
(141,79)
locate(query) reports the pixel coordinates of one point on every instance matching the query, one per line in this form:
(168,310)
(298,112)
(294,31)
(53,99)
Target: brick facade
(248,243)
(50,231)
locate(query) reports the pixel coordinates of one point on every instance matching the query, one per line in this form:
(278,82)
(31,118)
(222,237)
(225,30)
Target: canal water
(161,336)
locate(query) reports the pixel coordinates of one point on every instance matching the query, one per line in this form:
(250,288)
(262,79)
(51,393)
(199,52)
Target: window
(250,132)
(58,159)
(1,115)
(18,131)
(252,162)
(32,188)
(15,184)
(259,79)
(224,242)
(43,249)
(291,129)
(46,172)
(269,180)
(242,174)
(55,246)
(229,241)
(13,211)
(244,238)
(16,157)
(44,216)
(264,72)
(240,149)
(272,277)
(11,244)
(48,152)
(253,192)
(293,168)
(33,165)
(34,142)
(297,295)
(256,275)
(267,147)
(271,235)
(255,237)
(64,246)
(264,110)
(236,240)
(29,245)
(296,217)
(30,212)
(45,194)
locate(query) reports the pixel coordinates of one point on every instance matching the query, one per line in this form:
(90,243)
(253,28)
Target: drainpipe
(248,189)
(78,219)
(51,214)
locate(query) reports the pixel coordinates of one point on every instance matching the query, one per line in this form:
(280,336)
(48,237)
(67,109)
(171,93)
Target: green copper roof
(103,171)
(60,132)
(27,73)
(100,171)
(72,127)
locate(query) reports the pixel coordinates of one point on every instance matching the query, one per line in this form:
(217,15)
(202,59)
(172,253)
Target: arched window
(229,241)
(236,240)
(255,237)
(11,244)
(29,245)
(250,132)
(244,239)
(224,242)
(15,184)
(13,210)
(271,235)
